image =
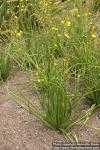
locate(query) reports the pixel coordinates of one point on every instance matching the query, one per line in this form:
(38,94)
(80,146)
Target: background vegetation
(60,43)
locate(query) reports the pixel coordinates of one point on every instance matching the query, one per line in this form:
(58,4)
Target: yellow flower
(78,16)
(75,10)
(93,27)
(66,35)
(55,28)
(55,64)
(39,81)
(46,4)
(59,35)
(68,23)
(55,45)
(15,17)
(89,13)
(86,14)
(18,33)
(23,7)
(62,21)
(93,35)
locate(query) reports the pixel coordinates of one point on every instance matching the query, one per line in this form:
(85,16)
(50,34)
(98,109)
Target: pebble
(98,116)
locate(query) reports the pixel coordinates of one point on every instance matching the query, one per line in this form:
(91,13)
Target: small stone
(82,133)
(98,116)
(17,147)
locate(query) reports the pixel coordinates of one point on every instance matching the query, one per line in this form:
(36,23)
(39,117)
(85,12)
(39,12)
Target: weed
(5,66)
(55,98)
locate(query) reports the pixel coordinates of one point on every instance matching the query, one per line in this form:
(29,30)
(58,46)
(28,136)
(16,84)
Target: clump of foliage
(96,5)
(84,50)
(57,102)
(3,11)
(92,81)
(5,65)
(60,42)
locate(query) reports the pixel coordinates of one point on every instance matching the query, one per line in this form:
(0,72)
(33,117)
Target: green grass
(5,66)
(96,5)
(59,42)
(57,100)
(92,82)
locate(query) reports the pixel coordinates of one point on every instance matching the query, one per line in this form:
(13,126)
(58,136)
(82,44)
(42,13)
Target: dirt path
(21,131)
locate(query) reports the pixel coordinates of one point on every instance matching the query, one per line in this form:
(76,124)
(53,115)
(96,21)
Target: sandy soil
(19,130)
